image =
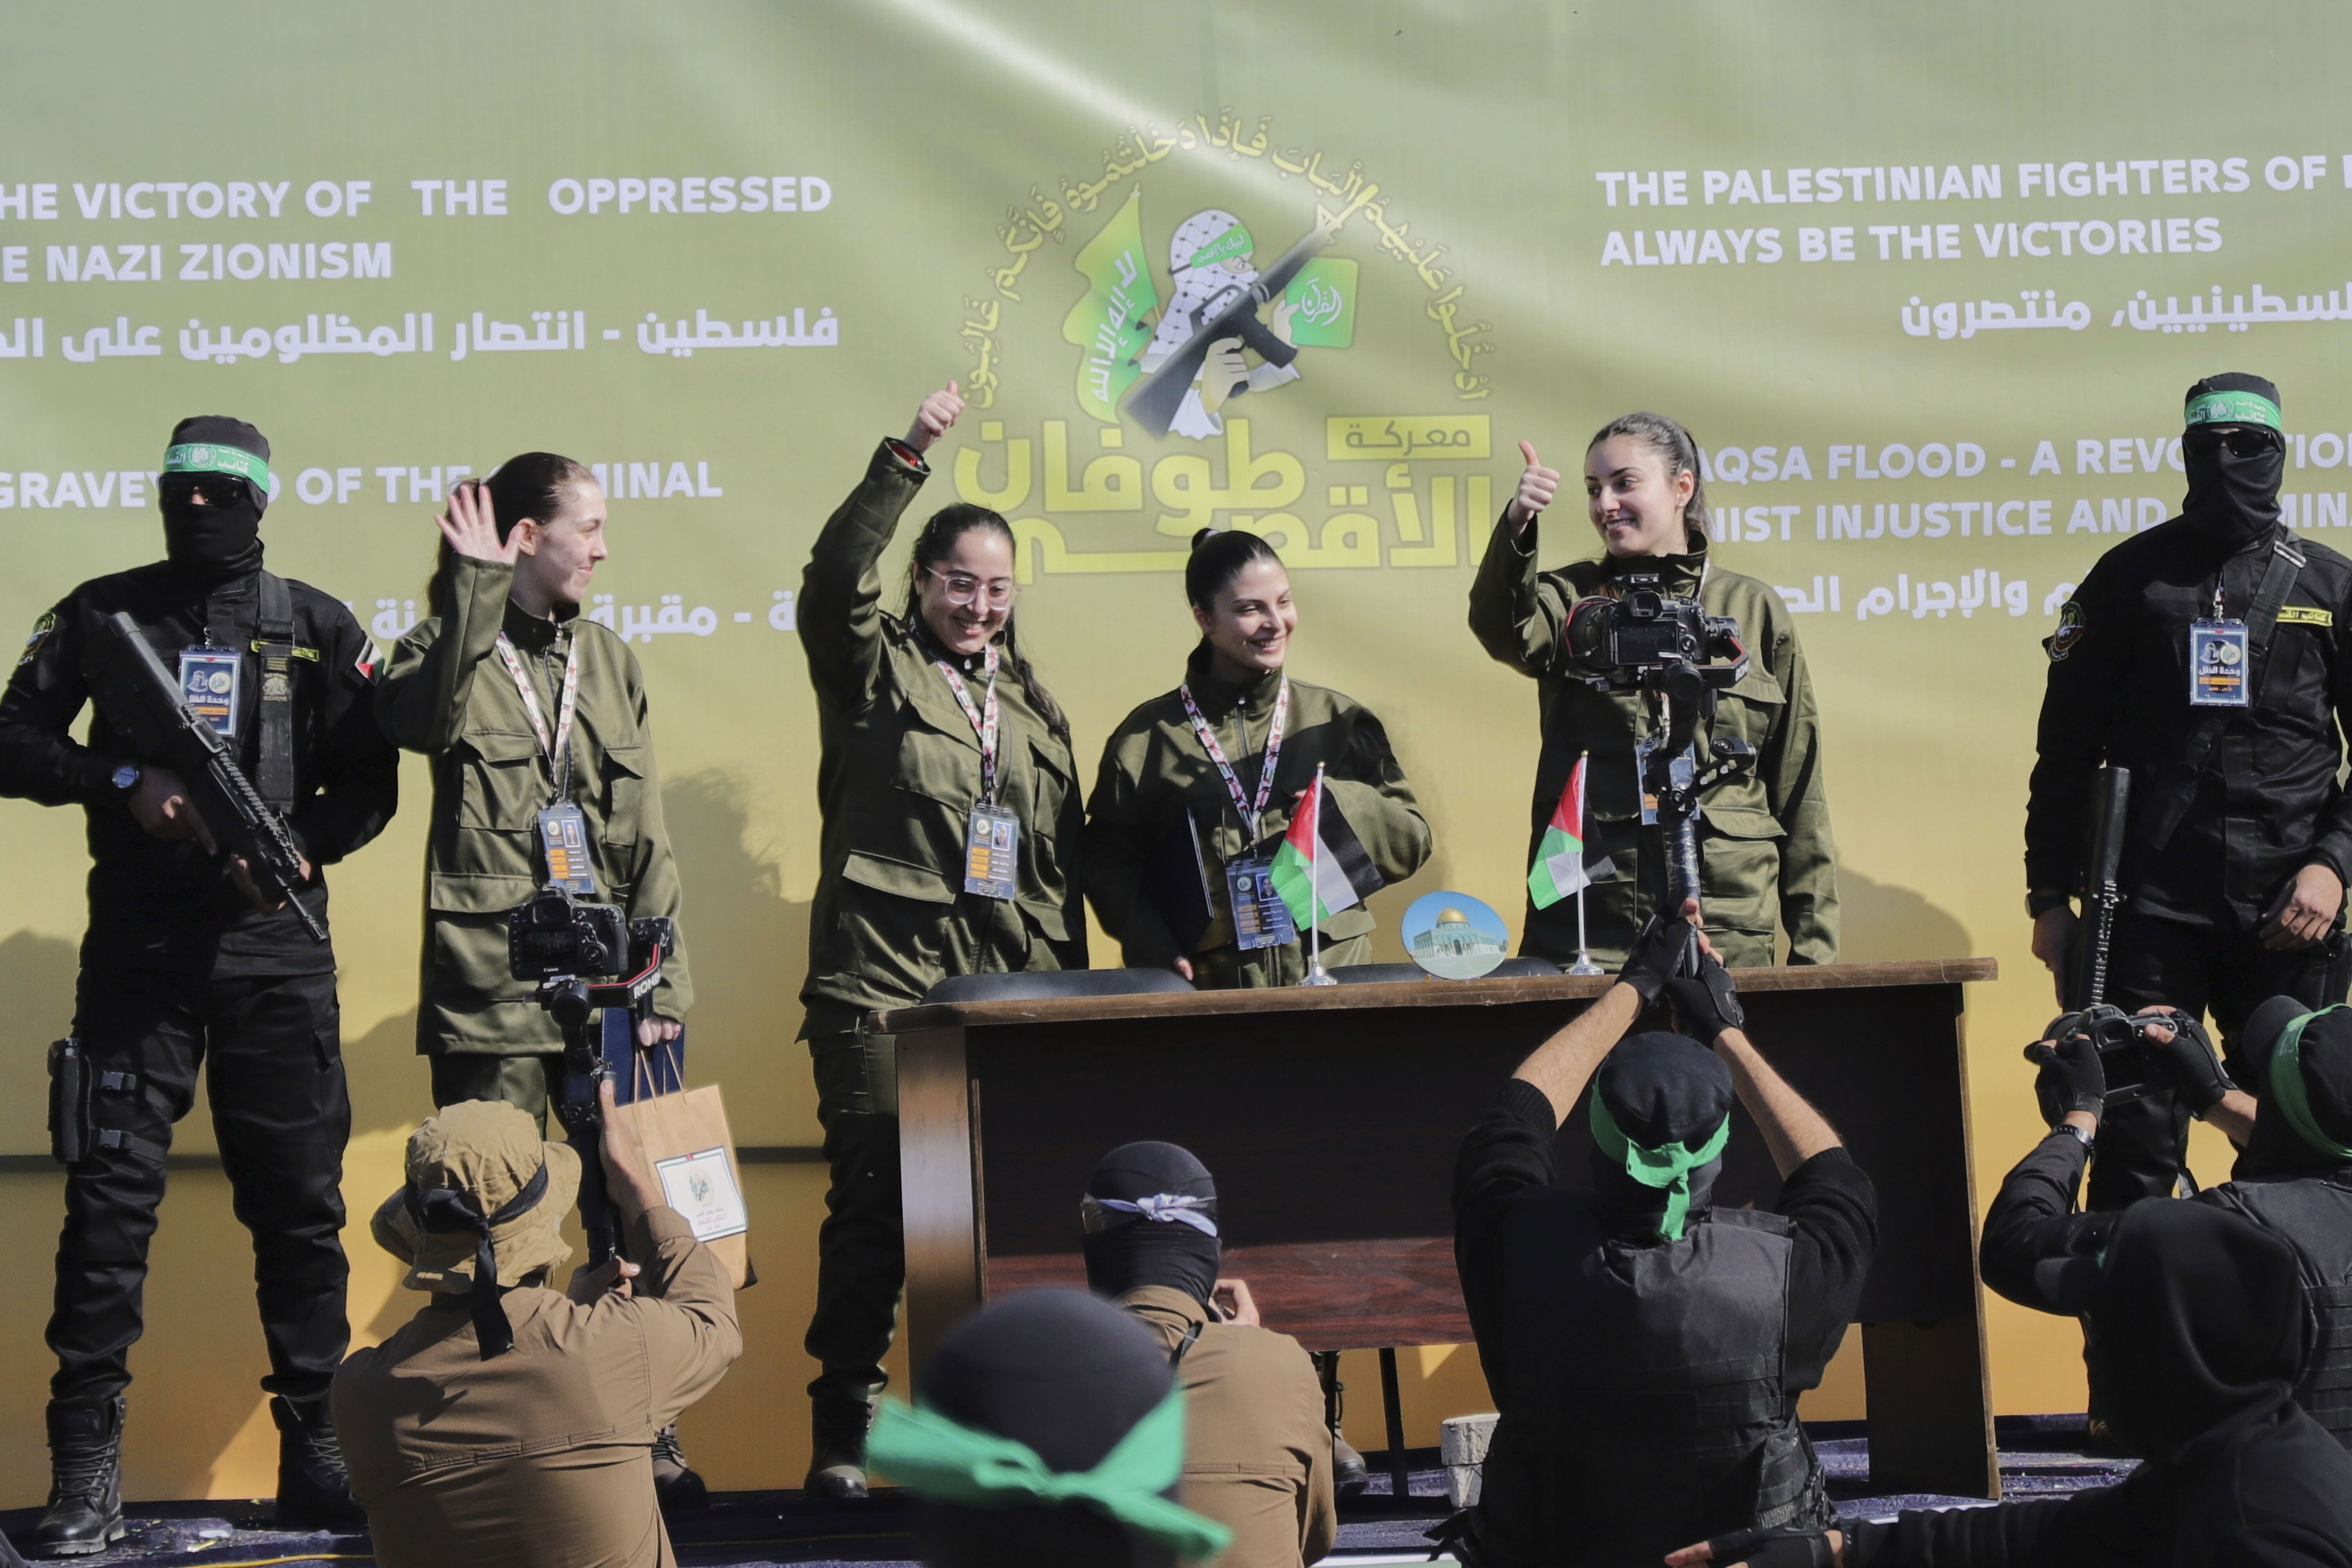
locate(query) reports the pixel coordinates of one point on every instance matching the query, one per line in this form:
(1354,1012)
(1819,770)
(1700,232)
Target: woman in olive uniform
(1234,747)
(949,846)
(526,708)
(1764,831)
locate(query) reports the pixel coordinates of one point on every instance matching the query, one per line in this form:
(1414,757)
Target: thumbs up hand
(1538,485)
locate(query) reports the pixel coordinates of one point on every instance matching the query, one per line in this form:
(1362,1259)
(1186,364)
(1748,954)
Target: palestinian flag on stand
(1321,868)
(1560,871)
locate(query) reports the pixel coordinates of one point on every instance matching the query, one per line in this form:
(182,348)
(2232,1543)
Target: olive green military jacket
(447,693)
(1154,769)
(898,776)
(1764,840)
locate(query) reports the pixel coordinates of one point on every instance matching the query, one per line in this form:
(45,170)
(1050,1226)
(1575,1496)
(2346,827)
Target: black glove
(1707,1002)
(1778,1548)
(2187,1060)
(2071,1077)
(1656,956)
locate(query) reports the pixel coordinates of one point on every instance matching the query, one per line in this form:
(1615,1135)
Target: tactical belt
(2176,785)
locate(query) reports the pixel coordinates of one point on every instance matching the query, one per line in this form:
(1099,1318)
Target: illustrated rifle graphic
(1230,313)
(145,705)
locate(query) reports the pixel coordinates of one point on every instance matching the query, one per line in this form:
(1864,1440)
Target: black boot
(85,1512)
(837,1457)
(314,1492)
(676,1485)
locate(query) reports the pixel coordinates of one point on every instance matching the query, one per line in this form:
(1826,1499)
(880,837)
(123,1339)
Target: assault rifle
(1230,313)
(144,705)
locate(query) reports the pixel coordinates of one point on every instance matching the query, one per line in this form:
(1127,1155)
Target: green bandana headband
(2233,408)
(2287,1092)
(941,1458)
(1234,241)
(205,457)
(1668,1166)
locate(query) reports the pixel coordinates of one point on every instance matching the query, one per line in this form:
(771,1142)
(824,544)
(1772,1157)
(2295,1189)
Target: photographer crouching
(510,1425)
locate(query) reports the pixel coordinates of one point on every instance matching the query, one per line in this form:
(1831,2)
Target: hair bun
(1202,536)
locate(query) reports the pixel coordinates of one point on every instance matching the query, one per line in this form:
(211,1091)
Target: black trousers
(2200,970)
(282,1116)
(861,1247)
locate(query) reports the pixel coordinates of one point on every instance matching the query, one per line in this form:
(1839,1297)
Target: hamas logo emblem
(2070,632)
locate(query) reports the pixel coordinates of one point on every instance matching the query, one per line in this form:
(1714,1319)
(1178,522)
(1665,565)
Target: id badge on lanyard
(210,681)
(992,835)
(2218,664)
(563,843)
(1260,917)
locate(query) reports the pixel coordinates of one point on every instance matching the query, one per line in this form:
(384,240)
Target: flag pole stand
(1583,965)
(1315,972)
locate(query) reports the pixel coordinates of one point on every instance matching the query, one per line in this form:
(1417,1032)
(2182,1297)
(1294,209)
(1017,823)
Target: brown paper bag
(693,1156)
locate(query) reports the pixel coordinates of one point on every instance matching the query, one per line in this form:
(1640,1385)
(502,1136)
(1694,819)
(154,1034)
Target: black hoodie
(2194,1335)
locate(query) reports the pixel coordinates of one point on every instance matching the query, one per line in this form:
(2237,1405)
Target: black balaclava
(215,544)
(1661,1088)
(1067,1374)
(1135,1236)
(2233,501)
(2278,1149)
(2194,1326)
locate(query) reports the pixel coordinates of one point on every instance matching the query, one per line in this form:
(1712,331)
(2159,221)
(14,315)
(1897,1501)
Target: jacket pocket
(898,878)
(937,765)
(486,893)
(501,780)
(1739,868)
(624,769)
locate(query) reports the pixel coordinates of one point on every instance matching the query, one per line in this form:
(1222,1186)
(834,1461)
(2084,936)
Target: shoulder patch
(2070,627)
(41,630)
(2305,615)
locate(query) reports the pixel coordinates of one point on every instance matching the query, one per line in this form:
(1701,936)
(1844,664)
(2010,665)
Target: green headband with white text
(211,458)
(2233,408)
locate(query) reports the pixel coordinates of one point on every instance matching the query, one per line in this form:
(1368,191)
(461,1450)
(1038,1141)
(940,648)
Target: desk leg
(1930,1408)
(942,1208)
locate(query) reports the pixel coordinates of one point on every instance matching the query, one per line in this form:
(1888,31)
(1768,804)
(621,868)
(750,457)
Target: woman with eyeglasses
(949,845)
(1198,784)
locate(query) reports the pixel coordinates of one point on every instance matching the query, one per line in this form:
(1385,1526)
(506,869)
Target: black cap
(1664,1089)
(220,430)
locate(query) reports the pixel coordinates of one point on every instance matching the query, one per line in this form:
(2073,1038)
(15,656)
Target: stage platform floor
(2039,1456)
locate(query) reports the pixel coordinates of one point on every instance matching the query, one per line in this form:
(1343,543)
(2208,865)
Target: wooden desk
(1331,1117)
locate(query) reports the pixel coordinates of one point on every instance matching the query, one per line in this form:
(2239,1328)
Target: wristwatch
(2084,1139)
(128,776)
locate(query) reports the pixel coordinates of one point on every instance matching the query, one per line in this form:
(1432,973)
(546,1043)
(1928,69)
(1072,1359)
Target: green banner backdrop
(1927,282)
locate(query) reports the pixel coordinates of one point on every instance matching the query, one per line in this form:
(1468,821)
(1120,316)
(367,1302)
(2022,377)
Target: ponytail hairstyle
(1676,449)
(937,537)
(1218,557)
(530,485)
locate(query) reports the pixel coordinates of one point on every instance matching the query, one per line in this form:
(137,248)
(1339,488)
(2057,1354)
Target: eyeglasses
(960,588)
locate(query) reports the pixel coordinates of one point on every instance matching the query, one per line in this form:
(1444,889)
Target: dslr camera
(584,957)
(2128,1061)
(1647,629)
(556,936)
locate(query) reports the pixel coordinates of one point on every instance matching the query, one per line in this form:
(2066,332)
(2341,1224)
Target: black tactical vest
(2313,1214)
(1645,1408)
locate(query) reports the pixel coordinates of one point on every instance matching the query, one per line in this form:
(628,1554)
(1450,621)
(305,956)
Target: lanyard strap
(983,721)
(558,747)
(1250,811)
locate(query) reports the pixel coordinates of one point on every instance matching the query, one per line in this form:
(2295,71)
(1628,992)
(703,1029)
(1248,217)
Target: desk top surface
(1430,993)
